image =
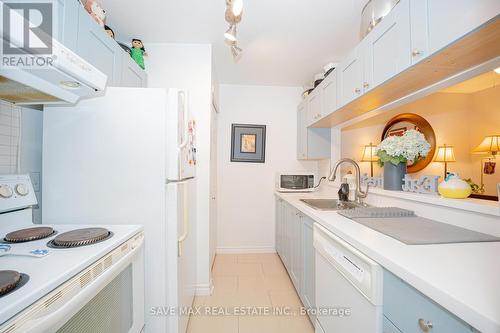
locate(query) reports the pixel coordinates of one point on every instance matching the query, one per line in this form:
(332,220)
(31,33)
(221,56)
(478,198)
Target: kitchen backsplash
(9,137)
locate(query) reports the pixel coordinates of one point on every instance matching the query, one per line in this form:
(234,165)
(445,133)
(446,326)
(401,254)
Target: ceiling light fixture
(237,7)
(236,51)
(497,70)
(230,34)
(234,12)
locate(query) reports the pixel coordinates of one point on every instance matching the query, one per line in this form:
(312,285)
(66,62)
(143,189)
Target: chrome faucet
(360,195)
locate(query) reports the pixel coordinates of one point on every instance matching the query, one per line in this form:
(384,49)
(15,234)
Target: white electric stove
(60,281)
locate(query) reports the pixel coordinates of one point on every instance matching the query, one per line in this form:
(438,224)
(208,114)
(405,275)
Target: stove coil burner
(29,234)
(11,280)
(80,237)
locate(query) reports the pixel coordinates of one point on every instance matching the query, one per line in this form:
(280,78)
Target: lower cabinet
(308,261)
(405,310)
(294,244)
(389,327)
(411,312)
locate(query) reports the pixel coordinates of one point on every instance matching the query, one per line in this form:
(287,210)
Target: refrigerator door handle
(184,98)
(185,224)
(178,181)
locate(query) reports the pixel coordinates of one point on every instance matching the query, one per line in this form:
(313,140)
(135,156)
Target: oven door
(107,297)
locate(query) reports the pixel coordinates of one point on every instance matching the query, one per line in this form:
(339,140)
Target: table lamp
(490,145)
(445,154)
(369,156)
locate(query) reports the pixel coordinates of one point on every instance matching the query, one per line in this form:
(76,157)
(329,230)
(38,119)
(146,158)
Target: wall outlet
(35,180)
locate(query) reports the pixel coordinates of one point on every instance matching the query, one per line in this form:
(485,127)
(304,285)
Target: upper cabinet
(388,46)
(131,74)
(351,75)
(449,20)
(388,65)
(384,53)
(313,106)
(432,28)
(328,90)
(78,31)
(312,143)
(95,46)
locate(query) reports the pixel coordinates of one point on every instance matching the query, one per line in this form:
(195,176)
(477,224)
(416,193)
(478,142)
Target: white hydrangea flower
(411,146)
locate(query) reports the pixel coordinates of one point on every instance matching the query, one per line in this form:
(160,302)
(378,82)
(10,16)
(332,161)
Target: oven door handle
(61,313)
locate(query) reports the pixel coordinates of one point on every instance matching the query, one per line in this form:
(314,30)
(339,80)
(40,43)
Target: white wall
(15,120)
(188,66)
(246,200)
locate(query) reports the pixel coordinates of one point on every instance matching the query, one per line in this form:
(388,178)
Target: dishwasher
(349,287)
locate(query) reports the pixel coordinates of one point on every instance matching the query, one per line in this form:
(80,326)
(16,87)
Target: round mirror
(406,121)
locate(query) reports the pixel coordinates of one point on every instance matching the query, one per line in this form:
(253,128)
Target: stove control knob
(22,190)
(5,191)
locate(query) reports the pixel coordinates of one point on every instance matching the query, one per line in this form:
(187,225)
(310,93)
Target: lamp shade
(490,145)
(369,153)
(445,153)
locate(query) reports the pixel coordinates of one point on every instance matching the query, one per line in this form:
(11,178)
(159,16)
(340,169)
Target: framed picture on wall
(248,143)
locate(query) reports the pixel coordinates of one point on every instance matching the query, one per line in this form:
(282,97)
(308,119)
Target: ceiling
(481,82)
(285,42)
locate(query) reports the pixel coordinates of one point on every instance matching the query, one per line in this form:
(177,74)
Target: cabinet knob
(357,90)
(416,53)
(424,325)
(366,85)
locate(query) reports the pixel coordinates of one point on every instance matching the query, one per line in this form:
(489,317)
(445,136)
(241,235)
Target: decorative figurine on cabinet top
(95,10)
(454,187)
(109,31)
(138,52)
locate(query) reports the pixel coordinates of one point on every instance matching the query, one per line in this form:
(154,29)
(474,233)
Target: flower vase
(393,176)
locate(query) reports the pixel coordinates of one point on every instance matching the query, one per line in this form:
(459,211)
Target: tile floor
(257,281)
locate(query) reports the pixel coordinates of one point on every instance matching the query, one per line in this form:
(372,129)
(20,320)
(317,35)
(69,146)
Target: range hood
(64,79)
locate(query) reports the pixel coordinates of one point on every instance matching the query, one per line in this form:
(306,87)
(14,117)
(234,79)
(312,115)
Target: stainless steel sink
(330,204)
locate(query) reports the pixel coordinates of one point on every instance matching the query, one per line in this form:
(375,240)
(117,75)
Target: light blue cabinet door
(389,327)
(308,281)
(315,106)
(287,217)
(469,13)
(278,226)
(296,249)
(95,46)
(351,78)
(406,307)
(131,74)
(302,130)
(67,22)
(328,94)
(419,30)
(389,44)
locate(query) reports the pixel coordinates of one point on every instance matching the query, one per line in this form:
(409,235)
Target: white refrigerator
(129,157)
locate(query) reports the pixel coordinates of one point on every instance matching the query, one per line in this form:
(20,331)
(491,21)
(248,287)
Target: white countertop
(463,278)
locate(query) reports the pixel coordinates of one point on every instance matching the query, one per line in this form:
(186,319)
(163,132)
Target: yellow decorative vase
(454,187)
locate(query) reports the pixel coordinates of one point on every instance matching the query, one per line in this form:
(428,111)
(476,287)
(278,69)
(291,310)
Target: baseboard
(205,289)
(245,250)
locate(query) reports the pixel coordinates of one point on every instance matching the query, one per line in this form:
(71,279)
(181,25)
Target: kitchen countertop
(463,278)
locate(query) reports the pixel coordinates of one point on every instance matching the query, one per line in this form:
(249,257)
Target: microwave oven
(295,182)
